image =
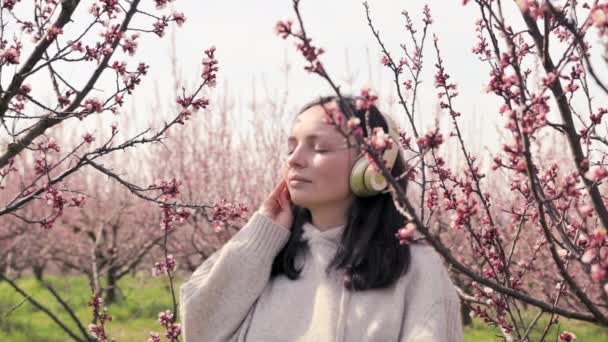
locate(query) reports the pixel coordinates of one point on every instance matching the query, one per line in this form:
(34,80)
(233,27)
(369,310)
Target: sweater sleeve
(433,306)
(440,323)
(216,299)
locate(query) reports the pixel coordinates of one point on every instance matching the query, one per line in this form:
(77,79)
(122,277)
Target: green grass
(480,331)
(143,297)
(134,315)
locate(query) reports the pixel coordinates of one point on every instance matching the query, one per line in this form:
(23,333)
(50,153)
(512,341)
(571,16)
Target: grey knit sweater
(231,297)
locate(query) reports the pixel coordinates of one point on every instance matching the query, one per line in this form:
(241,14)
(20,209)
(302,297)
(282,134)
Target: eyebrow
(312,136)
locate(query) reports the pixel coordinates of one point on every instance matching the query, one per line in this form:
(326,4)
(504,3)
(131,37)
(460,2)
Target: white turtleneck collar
(333,234)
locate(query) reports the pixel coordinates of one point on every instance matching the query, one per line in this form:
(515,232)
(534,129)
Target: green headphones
(364,181)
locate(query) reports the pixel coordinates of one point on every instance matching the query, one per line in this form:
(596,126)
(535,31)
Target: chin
(301,201)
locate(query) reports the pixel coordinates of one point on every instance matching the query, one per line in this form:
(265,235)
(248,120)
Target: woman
(319,260)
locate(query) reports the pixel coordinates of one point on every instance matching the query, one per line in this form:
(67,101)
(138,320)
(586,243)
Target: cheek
(333,173)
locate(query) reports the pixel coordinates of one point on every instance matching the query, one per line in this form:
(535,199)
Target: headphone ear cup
(356,180)
(364,182)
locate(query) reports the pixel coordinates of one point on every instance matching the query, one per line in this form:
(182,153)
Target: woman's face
(318,152)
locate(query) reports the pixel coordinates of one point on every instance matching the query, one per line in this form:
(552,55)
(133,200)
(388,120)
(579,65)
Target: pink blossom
(129,44)
(187,101)
(432,139)
(366,99)
(589,255)
(131,80)
(407,84)
(154,337)
(427,15)
(597,118)
(524,5)
(225,212)
(110,6)
(9,4)
(179,18)
(120,67)
(596,173)
(88,138)
(173,331)
(597,272)
(432,201)
(169,217)
(11,55)
(200,104)
(142,68)
(92,53)
(210,67)
(78,201)
(283,29)
(353,122)
(53,32)
(380,139)
(441,78)
(385,60)
(160,26)
(406,233)
(585,210)
(311,54)
(41,165)
(160,4)
(93,105)
(583,240)
(64,100)
(51,144)
(599,16)
(97,332)
(95,10)
(118,99)
(112,34)
(488,291)
(183,116)
(77,46)
(567,336)
(164,267)
(25,89)
(26,26)
(165,317)
(54,198)
(169,189)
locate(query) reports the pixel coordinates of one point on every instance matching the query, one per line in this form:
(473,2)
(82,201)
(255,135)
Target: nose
(296,159)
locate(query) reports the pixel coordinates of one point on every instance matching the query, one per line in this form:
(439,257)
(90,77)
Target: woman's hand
(278,206)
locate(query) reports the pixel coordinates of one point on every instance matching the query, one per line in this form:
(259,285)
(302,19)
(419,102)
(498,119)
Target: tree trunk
(466,318)
(111,286)
(38,271)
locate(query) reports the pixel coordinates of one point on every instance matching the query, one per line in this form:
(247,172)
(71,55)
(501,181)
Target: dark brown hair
(369,252)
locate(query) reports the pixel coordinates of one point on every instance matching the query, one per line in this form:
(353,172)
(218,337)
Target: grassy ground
(136,313)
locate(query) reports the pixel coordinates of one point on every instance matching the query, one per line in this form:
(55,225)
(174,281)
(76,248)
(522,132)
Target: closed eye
(317,151)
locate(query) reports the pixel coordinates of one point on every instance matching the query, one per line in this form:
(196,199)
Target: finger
(288,199)
(277,190)
(284,197)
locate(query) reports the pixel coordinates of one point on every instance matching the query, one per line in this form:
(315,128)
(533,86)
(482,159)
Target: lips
(298,178)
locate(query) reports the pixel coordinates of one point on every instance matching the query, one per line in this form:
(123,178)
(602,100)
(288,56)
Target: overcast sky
(250,53)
